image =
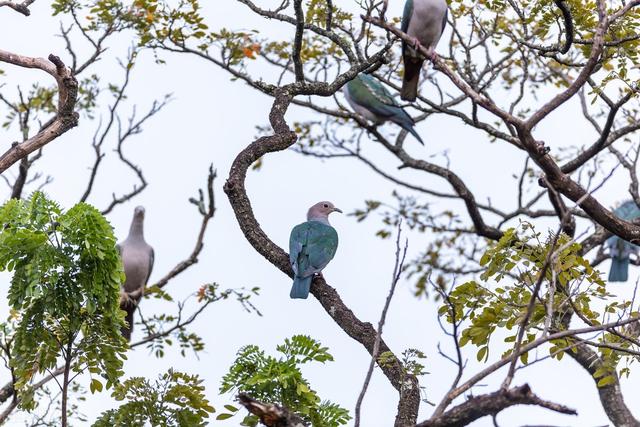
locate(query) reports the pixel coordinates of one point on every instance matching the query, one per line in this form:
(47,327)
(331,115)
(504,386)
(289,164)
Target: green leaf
(482,353)
(95,385)
(224,416)
(610,379)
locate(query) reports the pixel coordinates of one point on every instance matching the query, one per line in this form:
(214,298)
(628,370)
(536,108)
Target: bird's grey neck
(137,228)
(322,219)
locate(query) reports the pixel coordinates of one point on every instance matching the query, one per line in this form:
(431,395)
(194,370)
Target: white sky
(213,118)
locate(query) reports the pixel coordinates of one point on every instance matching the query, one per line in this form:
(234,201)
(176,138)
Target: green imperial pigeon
(311,246)
(619,249)
(369,98)
(424,21)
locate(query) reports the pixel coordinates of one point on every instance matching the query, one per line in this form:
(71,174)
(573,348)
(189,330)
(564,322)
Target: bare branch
(65,119)
(491,404)
(397,270)
(22,8)
(271,415)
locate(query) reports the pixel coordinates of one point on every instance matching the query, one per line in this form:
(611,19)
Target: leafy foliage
(279,380)
(572,285)
(175,399)
(64,290)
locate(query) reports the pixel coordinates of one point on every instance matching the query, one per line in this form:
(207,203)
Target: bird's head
(138,212)
(321,210)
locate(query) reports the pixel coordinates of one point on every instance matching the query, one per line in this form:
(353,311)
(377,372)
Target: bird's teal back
(367,90)
(311,246)
(620,249)
(627,211)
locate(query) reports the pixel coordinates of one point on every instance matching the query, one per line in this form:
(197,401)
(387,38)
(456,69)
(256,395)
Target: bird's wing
(152,257)
(297,242)
(368,92)
(406,15)
(444,21)
(321,246)
(627,211)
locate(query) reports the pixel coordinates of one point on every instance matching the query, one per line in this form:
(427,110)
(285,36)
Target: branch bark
(65,118)
(491,404)
(22,8)
(271,415)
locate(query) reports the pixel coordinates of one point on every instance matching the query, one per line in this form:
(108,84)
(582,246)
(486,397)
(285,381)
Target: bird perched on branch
(620,249)
(311,246)
(424,21)
(369,98)
(137,258)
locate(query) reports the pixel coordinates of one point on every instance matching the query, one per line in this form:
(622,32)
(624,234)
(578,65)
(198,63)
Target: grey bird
(424,21)
(137,258)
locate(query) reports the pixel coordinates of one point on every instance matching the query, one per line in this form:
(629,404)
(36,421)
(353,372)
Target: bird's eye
(326,205)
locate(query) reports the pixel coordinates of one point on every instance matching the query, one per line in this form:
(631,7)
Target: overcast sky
(211,119)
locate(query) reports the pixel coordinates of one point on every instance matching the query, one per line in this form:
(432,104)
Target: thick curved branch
(22,8)
(568,24)
(363,332)
(491,404)
(65,118)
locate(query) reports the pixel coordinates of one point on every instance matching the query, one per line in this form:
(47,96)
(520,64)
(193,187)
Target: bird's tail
(126,330)
(301,286)
(412,131)
(619,271)
(412,68)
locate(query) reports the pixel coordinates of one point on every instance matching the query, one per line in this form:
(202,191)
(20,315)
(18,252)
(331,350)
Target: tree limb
(65,118)
(491,404)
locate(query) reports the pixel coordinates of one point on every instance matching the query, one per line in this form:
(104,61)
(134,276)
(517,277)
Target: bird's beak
(336,210)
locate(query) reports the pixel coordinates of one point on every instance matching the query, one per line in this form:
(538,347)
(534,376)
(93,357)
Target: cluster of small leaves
(279,380)
(410,361)
(175,399)
(520,258)
(65,288)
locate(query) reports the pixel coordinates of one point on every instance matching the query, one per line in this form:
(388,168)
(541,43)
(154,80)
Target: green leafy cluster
(64,290)
(519,259)
(175,399)
(542,25)
(279,380)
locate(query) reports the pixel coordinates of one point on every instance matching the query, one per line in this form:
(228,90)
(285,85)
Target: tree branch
(491,404)
(22,8)
(65,118)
